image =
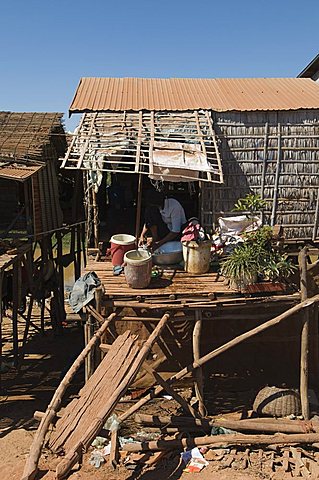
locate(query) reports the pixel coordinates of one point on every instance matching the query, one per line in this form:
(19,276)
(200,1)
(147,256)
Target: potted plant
(256,256)
(252,203)
(241,267)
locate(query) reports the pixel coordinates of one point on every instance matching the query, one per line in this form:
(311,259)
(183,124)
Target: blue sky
(46,46)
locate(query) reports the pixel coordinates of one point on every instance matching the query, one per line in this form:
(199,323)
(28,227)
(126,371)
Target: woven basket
(277,402)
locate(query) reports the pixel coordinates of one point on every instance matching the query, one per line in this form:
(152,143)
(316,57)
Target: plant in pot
(256,256)
(252,203)
(241,267)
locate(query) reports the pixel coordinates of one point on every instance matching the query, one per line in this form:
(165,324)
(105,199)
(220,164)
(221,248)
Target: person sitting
(164,219)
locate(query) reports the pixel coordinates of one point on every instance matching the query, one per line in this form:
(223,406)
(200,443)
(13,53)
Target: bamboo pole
(223,348)
(277,177)
(198,373)
(31,466)
(222,440)
(138,207)
(304,347)
(270,425)
(95,218)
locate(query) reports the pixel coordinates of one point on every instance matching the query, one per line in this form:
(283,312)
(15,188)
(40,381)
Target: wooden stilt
(95,218)
(26,329)
(31,466)
(114,453)
(138,207)
(42,315)
(83,236)
(72,251)
(59,261)
(304,348)
(198,374)
(78,250)
(15,306)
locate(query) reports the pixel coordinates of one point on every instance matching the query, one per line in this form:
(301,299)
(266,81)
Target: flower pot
(243,281)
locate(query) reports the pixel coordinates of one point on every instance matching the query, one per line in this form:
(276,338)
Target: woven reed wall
(275,154)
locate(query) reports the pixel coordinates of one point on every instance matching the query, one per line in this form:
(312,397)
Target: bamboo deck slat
(170,283)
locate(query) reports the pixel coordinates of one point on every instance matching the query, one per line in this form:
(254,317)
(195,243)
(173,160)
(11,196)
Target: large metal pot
(168,254)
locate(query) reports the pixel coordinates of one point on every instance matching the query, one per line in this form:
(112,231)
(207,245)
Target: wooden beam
(270,425)
(198,374)
(222,440)
(151,148)
(84,148)
(201,139)
(213,135)
(304,347)
(277,176)
(69,150)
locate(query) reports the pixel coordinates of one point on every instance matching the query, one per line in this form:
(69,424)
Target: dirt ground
(31,388)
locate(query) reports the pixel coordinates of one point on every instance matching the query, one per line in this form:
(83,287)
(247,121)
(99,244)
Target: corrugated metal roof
(180,94)
(18,173)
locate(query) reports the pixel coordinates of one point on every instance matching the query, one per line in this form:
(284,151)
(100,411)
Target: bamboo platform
(171,282)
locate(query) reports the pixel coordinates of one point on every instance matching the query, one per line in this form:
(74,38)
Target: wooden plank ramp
(84,417)
(78,416)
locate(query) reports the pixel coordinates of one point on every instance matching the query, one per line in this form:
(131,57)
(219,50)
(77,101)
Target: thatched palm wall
(275,154)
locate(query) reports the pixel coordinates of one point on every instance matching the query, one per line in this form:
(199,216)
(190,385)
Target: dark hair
(153,197)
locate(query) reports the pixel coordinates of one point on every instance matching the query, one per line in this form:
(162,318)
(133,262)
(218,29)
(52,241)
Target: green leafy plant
(241,264)
(251,203)
(278,268)
(257,255)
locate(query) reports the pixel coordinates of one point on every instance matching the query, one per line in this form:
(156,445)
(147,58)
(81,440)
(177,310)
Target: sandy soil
(31,388)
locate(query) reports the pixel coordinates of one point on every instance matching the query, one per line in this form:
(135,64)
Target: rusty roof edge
(87,86)
(74,97)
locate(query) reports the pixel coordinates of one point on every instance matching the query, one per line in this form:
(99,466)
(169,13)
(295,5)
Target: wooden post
(42,315)
(88,364)
(277,177)
(78,249)
(198,374)
(15,306)
(83,236)
(59,262)
(264,168)
(138,207)
(95,218)
(114,453)
(304,347)
(26,330)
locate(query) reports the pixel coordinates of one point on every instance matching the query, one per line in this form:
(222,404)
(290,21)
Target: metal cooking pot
(168,254)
